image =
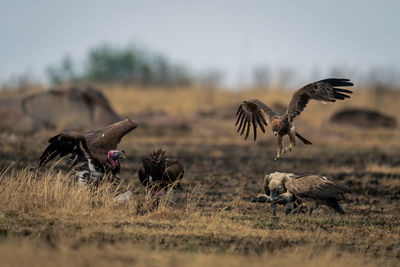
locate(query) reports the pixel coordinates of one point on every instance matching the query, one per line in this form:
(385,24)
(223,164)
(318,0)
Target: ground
(212,221)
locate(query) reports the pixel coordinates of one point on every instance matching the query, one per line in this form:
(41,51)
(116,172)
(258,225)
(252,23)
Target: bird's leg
(298,208)
(311,210)
(273,207)
(273,195)
(313,207)
(289,207)
(279,146)
(292,137)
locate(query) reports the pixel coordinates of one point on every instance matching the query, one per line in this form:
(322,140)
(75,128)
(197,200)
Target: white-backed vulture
(314,190)
(251,112)
(94,152)
(273,186)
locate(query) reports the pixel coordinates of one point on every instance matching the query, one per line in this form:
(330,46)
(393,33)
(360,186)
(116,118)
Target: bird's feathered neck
(114,163)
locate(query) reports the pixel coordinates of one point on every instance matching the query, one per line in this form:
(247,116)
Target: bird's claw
(289,148)
(277,157)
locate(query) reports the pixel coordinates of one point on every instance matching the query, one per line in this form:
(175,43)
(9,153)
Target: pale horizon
(312,37)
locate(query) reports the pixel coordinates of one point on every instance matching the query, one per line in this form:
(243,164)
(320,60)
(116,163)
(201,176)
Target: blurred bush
(110,64)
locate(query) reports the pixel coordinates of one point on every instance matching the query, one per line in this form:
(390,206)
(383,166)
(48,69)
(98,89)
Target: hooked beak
(278,199)
(262,199)
(122,154)
(274,193)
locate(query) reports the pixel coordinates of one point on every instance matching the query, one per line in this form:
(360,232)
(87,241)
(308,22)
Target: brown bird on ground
(160,172)
(273,186)
(93,152)
(315,190)
(252,112)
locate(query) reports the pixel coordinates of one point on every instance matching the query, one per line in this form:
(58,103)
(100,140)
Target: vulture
(160,172)
(273,186)
(93,153)
(314,189)
(251,113)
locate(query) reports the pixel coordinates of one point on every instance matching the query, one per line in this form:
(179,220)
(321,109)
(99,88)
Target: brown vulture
(273,186)
(314,189)
(93,152)
(160,172)
(251,112)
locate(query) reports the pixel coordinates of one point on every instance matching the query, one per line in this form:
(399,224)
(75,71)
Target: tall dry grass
(45,221)
(50,194)
(45,216)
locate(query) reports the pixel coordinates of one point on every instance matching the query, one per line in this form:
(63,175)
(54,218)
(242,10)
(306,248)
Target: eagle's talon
(251,113)
(289,148)
(277,157)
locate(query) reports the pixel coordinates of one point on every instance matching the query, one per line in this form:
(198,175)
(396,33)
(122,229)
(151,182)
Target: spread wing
(324,90)
(102,140)
(64,144)
(315,186)
(252,113)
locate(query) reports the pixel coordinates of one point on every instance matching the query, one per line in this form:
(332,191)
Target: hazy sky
(230,35)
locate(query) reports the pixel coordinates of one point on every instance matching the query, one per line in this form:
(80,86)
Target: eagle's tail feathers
(305,141)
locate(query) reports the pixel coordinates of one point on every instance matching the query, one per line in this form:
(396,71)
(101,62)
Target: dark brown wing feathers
(96,142)
(255,127)
(317,187)
(260,121)
(102,140)
(240,117)
(250,114)
(62,145)
(323,90)
(163,171)
(108,137)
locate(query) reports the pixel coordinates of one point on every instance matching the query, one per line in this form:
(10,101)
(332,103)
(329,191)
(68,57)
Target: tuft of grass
(67,220)
(44,220)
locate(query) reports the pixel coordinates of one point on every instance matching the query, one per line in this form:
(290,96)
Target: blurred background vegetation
(128,65)
(136,65)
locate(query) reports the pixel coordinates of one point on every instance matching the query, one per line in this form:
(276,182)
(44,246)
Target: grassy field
(212,222)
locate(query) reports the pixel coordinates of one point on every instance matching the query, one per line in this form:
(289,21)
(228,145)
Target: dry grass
(44,221)
(53,223)
(188,101)
(386,169)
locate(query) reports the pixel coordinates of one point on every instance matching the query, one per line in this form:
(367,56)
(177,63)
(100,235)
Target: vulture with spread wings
(93,153)
(251,113)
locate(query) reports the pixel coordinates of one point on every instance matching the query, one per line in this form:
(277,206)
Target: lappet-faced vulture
(251,112)
(94,152)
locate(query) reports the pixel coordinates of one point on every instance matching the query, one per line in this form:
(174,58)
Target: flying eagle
(93,152)
(160,172)
(251,112)
(315,190)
